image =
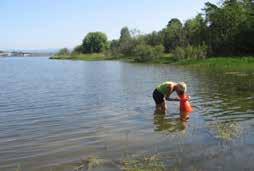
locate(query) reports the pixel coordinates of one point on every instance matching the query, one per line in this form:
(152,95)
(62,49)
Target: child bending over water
(162,93)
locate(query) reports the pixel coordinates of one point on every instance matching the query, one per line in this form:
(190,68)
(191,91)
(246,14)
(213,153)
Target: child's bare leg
(158,106)
(159,109)
(163,107)
(185,116)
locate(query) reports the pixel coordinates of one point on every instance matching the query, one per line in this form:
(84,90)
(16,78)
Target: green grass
(213,62)
(83,57)
(222,62)
(164,59)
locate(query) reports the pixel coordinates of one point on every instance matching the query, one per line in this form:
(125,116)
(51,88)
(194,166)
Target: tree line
(219,30)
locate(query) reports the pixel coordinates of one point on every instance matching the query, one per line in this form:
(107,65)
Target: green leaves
(221,30)
(227,25)
(145,53)
(172,35)
(95,42)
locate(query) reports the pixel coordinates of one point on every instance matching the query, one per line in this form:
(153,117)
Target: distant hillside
(48,50)
(28,52)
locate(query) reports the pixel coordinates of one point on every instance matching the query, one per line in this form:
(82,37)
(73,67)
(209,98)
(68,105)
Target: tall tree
(125,42)
(245,38)
(195,31)
(225,24)
(125,35)
(153,39)
(95,42)
(172,35)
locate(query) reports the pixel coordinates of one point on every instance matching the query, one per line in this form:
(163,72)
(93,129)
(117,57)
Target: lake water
(55,114)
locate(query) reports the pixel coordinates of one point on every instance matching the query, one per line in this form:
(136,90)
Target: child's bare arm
(172,99)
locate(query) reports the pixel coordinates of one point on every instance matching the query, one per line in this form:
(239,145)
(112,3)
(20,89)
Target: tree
(114,47)
(245,43)
(95,42)
(195,31)
(126,45)
(78,49)
(172,35)
(225,24)
(125,35)
(153,39)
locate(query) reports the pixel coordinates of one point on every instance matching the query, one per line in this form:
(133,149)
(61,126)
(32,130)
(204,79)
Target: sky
(43,24)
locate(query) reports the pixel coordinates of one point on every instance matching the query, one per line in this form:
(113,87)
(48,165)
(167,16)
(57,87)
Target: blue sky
(41,24)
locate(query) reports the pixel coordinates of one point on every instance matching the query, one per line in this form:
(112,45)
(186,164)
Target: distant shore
(237,62)
(165,59)
(83,57)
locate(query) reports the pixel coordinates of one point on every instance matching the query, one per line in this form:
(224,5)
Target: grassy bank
(222,62)
(165,59)
(83,57)
(213,62)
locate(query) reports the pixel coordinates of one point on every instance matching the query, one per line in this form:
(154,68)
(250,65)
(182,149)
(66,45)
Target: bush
(63,52)
(78,49)
(145,53)
(158,50)
(190,52)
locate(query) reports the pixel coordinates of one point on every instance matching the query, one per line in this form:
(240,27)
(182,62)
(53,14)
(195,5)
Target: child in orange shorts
(185,106)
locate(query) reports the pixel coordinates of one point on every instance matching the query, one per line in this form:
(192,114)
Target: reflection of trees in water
(163,123)
(225,95)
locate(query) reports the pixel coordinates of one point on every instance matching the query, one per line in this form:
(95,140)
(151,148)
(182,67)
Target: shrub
(63,52)
(190,52)
(158,50)
(78,49)
(179,53)
(145,53)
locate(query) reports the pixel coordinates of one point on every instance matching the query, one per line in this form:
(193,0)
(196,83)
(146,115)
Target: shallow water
(54,113)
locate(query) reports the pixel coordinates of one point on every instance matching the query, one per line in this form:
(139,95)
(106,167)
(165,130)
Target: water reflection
(69,114)
(224,95)
(164,123)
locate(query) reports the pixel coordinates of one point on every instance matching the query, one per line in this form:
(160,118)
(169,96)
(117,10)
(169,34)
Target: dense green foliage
(145,53)
(94,42)
(78,49)
(172,35)
(190,52)
(225,30)
(230,27)
(220,30)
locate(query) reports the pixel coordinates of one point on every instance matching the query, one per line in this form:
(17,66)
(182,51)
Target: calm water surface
(55,113)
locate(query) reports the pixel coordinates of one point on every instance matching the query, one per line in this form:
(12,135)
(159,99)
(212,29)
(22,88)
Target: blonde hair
(182,86)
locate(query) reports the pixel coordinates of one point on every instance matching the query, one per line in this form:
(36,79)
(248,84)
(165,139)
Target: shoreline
(211,62)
